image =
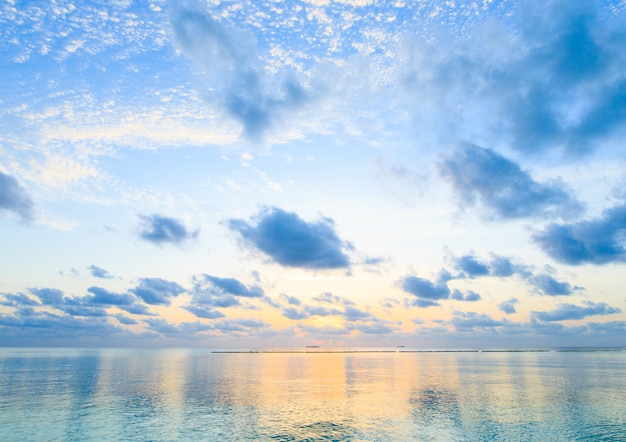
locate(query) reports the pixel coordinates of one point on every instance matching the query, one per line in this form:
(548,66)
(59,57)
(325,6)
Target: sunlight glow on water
(81,394)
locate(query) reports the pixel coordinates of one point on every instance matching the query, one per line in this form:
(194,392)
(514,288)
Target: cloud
(104,297)
(554,81)
(598,241)
(48,296)
(125,319)
(570,311)
(550,286)
(329,298)
(48,327)
(213,291)
(293,242)
(157,291)
(480,175)
(234,287)
(291,300)
(471,321)
(13,198)
(98,272)
(373,329)
(202,312)
(183,330)
(17,300)
(429,293)
(470,295)
(499,266)
(470,266)
(161,229)
(424,289)
(355,314)
(234,73)
(508,306)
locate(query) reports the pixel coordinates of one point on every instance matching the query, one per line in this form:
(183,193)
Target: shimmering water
(166,395)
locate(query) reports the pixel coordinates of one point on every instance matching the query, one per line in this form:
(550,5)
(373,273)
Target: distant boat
(399,346)
(312,346)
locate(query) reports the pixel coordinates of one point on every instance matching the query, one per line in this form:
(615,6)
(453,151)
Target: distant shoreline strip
(412,351)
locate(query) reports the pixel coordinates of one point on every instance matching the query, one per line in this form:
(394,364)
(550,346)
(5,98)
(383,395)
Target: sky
(315,172)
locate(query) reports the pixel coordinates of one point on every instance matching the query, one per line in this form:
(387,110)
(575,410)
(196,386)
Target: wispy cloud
(160,229)
(98,272)
(482,176)
(228,56)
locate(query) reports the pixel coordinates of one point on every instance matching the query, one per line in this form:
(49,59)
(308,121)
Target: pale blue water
(186,395)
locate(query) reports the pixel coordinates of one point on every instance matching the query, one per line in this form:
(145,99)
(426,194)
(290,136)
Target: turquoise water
(179,394)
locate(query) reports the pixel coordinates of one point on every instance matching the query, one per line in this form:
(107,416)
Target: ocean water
(204,395)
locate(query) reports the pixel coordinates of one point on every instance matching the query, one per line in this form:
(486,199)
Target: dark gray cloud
(292,242)
(508,306)
(157,291)
(14,198)
(98,272)
(570,311)
(233,72)
(161,229)
(598,241)
(482,176)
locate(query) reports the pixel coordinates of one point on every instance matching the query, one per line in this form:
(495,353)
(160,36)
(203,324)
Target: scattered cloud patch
(48,296)
(159,229)
(482,176)
(598,241)
(98,272)
(292,242)
(508,306)
(570,311)
(14,198)
(157,291)
(234,72)
(104,297)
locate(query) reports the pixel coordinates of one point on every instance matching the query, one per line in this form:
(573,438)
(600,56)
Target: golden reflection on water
(199,395)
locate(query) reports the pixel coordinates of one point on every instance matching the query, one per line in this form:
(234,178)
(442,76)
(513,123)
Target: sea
(312,394)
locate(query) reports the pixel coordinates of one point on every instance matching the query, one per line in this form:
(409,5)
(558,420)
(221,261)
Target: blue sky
(288,173)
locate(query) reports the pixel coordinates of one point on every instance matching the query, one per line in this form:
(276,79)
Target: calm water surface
(167,395)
